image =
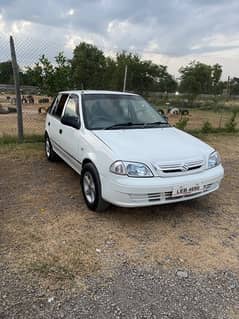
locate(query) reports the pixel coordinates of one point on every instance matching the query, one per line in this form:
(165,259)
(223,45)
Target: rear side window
(52,105)
(59,105)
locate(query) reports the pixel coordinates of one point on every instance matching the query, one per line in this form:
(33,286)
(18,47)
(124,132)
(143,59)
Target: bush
(207,127)
(182,123)
(230,126)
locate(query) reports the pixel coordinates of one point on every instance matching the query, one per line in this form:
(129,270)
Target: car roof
(80,92)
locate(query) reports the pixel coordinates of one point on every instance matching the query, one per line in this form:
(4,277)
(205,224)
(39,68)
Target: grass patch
(12,139)
(213,130)
(20,151)
(53,270)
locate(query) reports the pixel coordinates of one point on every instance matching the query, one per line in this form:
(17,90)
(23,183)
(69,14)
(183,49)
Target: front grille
(176,169)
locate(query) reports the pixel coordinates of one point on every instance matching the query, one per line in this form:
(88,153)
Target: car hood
(153,144)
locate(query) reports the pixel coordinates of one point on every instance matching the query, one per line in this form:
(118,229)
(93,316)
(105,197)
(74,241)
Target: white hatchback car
(126,152)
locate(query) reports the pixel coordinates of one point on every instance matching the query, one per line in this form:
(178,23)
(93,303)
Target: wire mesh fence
(28,52)
(33,104)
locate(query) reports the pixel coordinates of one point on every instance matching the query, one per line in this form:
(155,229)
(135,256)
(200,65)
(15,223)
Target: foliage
(182,123)
(230,126)
(50,78)
(199,78)
(234,86)
(6,75)
(88,67)
(207,127)
(12,139)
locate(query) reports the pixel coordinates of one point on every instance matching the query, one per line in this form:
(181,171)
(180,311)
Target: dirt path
(168,258)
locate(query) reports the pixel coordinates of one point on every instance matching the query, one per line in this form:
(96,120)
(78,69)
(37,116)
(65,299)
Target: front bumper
(137,192)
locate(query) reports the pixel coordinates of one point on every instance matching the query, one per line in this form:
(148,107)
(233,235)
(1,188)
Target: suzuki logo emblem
(184,168)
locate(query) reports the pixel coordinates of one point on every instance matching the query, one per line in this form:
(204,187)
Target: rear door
(54,123)
(71,136)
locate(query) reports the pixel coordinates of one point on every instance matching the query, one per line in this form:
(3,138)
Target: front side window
(113,111)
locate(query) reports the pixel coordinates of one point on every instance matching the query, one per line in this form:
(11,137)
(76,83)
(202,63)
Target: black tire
(50,154)
(96,203)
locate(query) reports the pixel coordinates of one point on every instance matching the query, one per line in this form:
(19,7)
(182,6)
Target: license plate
(187,190)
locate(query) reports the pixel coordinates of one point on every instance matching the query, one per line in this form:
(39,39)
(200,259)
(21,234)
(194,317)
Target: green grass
(20,150)
(218,131)
(12,139)
(52,269)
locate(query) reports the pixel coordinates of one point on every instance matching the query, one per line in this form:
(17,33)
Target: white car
(126,152)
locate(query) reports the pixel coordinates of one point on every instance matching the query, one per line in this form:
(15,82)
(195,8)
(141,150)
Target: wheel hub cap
(89,187)
(48,149)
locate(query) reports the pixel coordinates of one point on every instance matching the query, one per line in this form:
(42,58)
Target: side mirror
(73,121)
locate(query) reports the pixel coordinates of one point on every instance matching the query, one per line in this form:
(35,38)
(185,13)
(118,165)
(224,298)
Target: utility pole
(125,77)
(228,87)
(17,89)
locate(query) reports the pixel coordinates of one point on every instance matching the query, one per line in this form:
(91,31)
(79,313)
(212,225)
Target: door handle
(49,123)
(60,131)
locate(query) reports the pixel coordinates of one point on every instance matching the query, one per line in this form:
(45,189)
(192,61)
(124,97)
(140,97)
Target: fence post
(17,89)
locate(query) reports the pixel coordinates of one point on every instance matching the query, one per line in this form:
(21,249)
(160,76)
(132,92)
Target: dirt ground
(34,122)
(52,242)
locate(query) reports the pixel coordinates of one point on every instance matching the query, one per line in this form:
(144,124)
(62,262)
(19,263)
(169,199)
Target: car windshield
(116,111)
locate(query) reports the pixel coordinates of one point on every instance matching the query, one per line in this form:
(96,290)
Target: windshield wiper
(156,123)
(130,124)
(120,125)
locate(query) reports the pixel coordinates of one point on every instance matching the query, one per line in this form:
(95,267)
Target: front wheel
(91,188)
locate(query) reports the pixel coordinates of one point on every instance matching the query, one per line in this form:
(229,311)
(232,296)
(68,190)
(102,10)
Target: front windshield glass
(114,111)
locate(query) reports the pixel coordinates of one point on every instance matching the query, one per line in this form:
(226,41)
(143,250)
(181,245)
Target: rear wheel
(91,188)
(50,154)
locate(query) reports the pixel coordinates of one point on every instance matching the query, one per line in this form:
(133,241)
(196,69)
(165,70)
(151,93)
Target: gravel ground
(129,293)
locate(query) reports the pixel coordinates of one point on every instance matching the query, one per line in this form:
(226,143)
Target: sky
(169,32)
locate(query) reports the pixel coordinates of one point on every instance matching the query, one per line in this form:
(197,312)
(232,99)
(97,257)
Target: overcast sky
(170,32)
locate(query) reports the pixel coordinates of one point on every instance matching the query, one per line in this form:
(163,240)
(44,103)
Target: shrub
(182,123)
(207,127)
(230,126)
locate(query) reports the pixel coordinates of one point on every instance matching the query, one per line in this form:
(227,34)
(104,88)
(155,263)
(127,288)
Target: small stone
(50,299)
(182,273)
(232,286)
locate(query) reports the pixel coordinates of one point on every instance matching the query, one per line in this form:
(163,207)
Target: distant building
(25,89)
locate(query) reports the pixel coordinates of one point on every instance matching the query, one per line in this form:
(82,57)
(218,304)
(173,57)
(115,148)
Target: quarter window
(71,108)
(59,105)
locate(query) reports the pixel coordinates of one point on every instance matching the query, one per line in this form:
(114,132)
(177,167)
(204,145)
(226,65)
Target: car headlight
(132,169)
(214,159)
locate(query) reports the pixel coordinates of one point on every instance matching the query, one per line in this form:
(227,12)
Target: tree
(134,75)
(234,86)
(143,76)
(50,78)
(88,67)
(198,78)
(110,74)
(6,74)
(164,81)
